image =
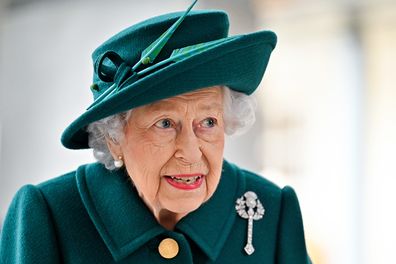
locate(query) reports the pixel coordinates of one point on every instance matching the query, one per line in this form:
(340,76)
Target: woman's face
(173,150)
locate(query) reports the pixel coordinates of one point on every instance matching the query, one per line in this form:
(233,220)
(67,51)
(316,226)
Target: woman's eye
(209,122)
(164,123)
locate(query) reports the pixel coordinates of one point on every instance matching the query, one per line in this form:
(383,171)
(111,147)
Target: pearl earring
(119,163)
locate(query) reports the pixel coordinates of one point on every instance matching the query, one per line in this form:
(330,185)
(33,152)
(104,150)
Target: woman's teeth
(186,180)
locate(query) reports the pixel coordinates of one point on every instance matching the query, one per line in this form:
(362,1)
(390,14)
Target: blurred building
(326,122)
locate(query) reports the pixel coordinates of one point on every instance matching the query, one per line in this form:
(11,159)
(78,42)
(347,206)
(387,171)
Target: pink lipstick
(185,181)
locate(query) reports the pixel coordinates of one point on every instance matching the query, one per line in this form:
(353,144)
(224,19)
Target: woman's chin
(182,206)
(181,201)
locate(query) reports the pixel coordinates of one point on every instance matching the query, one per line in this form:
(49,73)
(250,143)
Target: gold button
(168,248)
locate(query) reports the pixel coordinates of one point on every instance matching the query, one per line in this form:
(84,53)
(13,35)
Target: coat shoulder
(257,183)
(261,185)
(62,194)
(58,182)
(253,179)
(27,227)
(64,185)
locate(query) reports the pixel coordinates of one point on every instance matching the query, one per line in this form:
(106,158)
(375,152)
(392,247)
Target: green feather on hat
(166,56)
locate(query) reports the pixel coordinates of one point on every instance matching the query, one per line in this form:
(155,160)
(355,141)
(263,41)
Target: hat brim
(238,63)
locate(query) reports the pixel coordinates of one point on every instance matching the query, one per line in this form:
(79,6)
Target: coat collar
(116,210)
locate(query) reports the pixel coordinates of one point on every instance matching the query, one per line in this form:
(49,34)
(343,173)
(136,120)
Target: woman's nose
(188,147)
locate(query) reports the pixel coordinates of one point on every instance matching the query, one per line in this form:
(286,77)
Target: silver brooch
(249,207)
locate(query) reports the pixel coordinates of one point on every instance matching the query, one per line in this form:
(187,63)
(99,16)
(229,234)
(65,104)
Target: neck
(168,219)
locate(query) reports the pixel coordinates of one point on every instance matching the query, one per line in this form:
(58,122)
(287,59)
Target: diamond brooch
(250,208)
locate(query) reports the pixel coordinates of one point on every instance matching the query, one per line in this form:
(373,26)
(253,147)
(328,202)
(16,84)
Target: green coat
(95,216)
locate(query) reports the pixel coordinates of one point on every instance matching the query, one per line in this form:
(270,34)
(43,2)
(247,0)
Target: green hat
(166,56)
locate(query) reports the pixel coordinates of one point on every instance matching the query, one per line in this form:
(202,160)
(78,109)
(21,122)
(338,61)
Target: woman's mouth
(185,181)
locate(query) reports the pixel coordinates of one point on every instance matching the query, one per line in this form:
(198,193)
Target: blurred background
(326,122)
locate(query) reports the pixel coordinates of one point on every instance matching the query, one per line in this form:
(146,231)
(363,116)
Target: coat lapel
(125,223)
(211,224)
(121,218)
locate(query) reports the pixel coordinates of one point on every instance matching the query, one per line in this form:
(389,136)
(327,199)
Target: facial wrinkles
(185,135)
(190,109)
(186,111)
(176,166)
(146,176)
(143,174)
(215,134)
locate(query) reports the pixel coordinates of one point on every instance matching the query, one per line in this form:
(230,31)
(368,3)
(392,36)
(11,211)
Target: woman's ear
(114,147)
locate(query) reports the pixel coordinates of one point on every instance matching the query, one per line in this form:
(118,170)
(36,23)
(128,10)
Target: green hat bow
(166,56)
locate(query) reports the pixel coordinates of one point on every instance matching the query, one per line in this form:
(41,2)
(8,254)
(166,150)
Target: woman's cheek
(161,138)
(212,135)
(213,152)
(212,183)
(147,179)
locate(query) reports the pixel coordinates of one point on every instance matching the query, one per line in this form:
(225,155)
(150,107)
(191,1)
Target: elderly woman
(166,91)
